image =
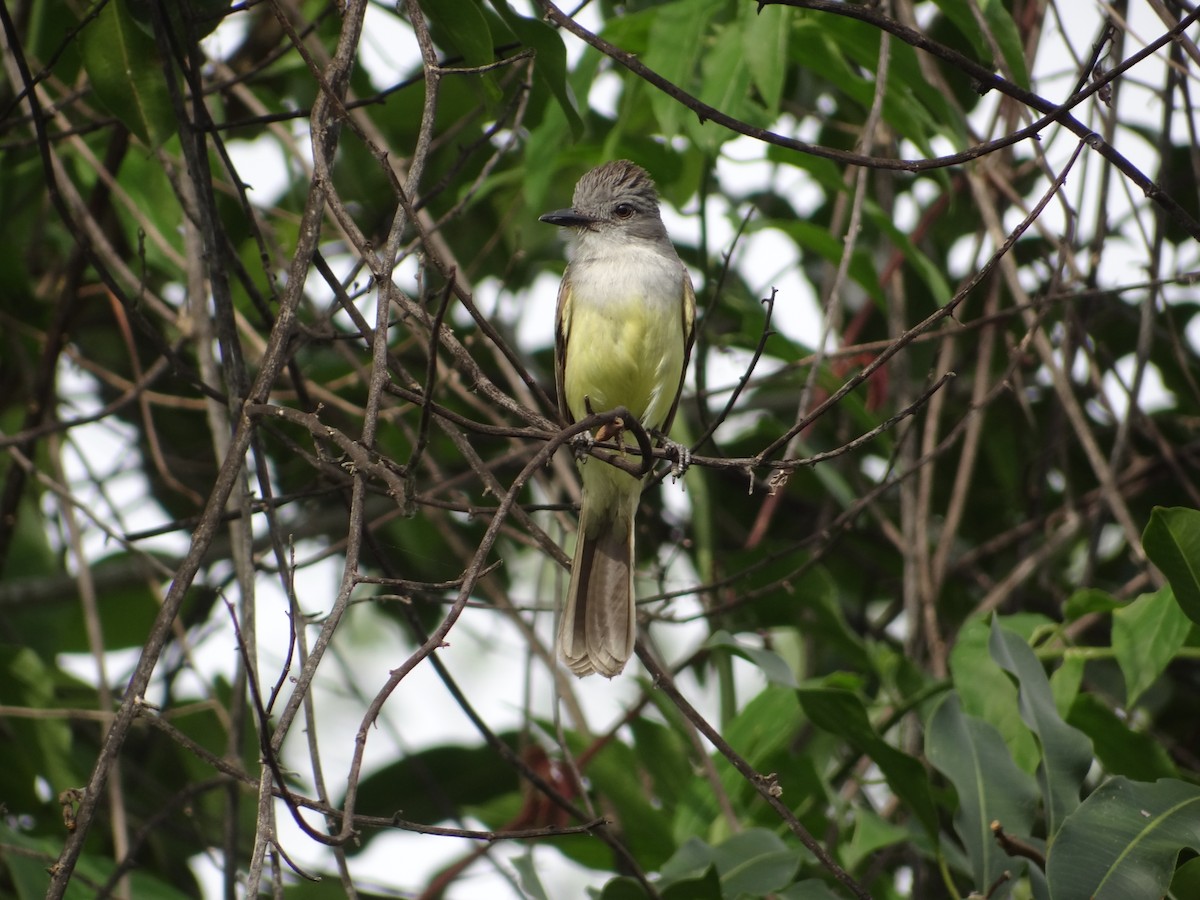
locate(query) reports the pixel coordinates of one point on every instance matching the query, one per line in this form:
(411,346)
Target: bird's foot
(679,455)
(581,445)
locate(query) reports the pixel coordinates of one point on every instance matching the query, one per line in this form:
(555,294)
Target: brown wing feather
(688,312)
(561,328)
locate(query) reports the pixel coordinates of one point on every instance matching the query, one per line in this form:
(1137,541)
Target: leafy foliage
(283,496)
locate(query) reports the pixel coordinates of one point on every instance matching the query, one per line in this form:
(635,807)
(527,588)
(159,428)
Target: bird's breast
(625,340)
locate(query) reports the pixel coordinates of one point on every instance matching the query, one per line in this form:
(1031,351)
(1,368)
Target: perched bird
(626,311)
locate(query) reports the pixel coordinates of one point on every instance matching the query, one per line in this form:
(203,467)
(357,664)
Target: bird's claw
(581,444)
(680,457)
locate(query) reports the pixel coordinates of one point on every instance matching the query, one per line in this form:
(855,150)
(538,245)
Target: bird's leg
(679,454)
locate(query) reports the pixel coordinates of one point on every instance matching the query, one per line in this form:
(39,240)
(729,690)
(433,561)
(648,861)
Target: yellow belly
(624,354)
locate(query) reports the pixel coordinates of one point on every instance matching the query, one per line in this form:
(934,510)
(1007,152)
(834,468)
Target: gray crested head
(617,200)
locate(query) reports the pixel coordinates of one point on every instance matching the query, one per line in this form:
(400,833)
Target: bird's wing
(688,312)
(562,327)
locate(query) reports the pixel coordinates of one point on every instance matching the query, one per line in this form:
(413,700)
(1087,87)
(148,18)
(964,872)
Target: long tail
(598,626)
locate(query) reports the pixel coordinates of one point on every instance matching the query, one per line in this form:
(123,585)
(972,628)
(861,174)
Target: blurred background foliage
(958,648)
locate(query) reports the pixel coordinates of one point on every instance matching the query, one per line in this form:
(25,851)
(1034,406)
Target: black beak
(568,218)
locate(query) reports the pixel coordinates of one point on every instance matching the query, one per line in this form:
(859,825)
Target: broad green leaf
(702,887)
(665,753)
(1186,882)
(1065,682)
(28,869)
(809,889)
(765,34)
(1147,634)
(465,27)
(990,786)
(988,694)
(126,72)
(842,713)
(1172,541)
(422,786)
(1089,600)
(1008,38)
(646,825)
(1066,752)
(724,85)
(1122,842)
(531,885)
(33,747)
(929,271)
(871,834)
(624,888)
(754,862)
(676,46)
(1120,749)
(771,664)
(817,239)
(551,70)
(706,886)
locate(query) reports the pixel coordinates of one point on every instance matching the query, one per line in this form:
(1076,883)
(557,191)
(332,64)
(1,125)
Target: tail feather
(598,625)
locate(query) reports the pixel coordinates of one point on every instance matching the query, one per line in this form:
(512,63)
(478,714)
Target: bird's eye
(623,211)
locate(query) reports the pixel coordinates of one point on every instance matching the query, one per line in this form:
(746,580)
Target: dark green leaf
(754,862)
(771,664)
(1120,749)
(126,72)
(1172,541)
(430,785)
(991,788)
(531,885)
(842,713)
(1066,752)
(1146,636)
(988,694)
(676,45)
(465,26)
(551,69)
(1123,841)
(766,31)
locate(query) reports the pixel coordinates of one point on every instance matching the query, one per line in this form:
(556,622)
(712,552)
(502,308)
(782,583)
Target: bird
(625,324)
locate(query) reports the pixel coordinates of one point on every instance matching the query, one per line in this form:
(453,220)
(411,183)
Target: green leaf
(703,887)
(1172,541)
(1008,38)
(842,713)
(771,664)
(550,73)
(625,888)
(990,786)
(33,748)
(1066,752)
(465,27)
(1089,600)
(1186,882)
(766,31)
(677,41)
(531,885)
(1066,681)
(754,861)
(646,826)
(429,785)
(987,693)
(126,72)
(817,239)
(809,889)
(1120,749)
(724,85)
(1124,840)
(665,754)
(1147,634)
(871,834)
